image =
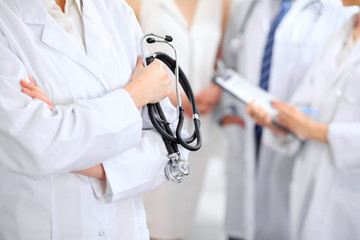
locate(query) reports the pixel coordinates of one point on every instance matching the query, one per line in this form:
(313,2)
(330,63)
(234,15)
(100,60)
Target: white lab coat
(297,40)
(325,192)
(93,121)
(302,34)
(240,158)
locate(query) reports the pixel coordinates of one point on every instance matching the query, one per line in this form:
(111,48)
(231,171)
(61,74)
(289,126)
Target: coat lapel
(353,58)
(97,40)
(55,37)
(329,72)
(339,77)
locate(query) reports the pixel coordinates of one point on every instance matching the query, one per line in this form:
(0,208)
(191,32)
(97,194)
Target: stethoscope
(176,168)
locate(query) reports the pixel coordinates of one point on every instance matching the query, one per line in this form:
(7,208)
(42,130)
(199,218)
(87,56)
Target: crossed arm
(31,89)
(148,85)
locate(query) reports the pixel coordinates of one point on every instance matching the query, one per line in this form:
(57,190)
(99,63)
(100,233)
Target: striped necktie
(266,62)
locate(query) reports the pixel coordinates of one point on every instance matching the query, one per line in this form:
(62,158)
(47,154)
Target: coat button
(101,233)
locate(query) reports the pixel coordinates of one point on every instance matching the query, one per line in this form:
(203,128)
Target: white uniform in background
(303,33)
(298,38)
(93,121)
(171,208)
(325,191)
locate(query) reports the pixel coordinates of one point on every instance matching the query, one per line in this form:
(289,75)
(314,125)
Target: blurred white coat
(325,192)
(297,41)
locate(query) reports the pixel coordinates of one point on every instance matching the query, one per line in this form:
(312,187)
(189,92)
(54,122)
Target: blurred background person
(271,43)
(325,194)
(196,27)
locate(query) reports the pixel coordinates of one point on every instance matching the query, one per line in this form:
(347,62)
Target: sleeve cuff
(287,144)
(135,171)
(100,188)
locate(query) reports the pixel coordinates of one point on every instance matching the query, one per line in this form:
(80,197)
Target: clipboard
(244,90)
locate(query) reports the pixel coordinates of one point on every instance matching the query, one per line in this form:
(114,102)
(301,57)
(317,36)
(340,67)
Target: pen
(308,110)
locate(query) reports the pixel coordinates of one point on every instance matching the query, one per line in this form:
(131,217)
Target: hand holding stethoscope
(177,167)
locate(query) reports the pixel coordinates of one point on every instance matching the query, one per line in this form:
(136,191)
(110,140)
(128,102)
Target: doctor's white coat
(94,121)
(255,199)
(325,191)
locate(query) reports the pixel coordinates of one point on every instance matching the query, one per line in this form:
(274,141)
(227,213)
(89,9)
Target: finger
(251,104)
(27,85)
(28,92)
(39,96)
(263,117)
(285,116)
(32,87)
(279,105)
(34,94)
(252,112)
(163,69)
(32,80)
(262,114)
(283,119)
(250,108)
(258,111)
(283,107)
(139,63)
(38,90)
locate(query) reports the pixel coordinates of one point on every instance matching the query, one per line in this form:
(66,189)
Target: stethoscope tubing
(158,119)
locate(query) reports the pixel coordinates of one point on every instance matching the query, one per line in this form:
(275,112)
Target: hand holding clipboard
(246,92)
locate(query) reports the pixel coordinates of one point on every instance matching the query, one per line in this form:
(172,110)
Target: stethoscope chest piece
(176,169)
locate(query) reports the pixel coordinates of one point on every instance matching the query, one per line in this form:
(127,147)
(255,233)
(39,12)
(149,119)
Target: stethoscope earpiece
(150,40)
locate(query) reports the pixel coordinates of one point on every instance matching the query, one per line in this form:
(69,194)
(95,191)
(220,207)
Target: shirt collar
(69,3)
(49,4)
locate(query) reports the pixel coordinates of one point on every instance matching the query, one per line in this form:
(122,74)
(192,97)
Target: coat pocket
(349,99)
(342,217)
(235,148)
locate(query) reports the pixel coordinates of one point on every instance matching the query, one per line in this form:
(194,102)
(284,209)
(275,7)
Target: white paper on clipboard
(244,90)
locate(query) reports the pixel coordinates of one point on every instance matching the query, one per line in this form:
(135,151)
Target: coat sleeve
(36,142)
(228,106)
(139,169)
(344,139)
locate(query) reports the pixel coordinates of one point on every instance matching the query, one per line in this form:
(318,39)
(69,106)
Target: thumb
(139,63)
